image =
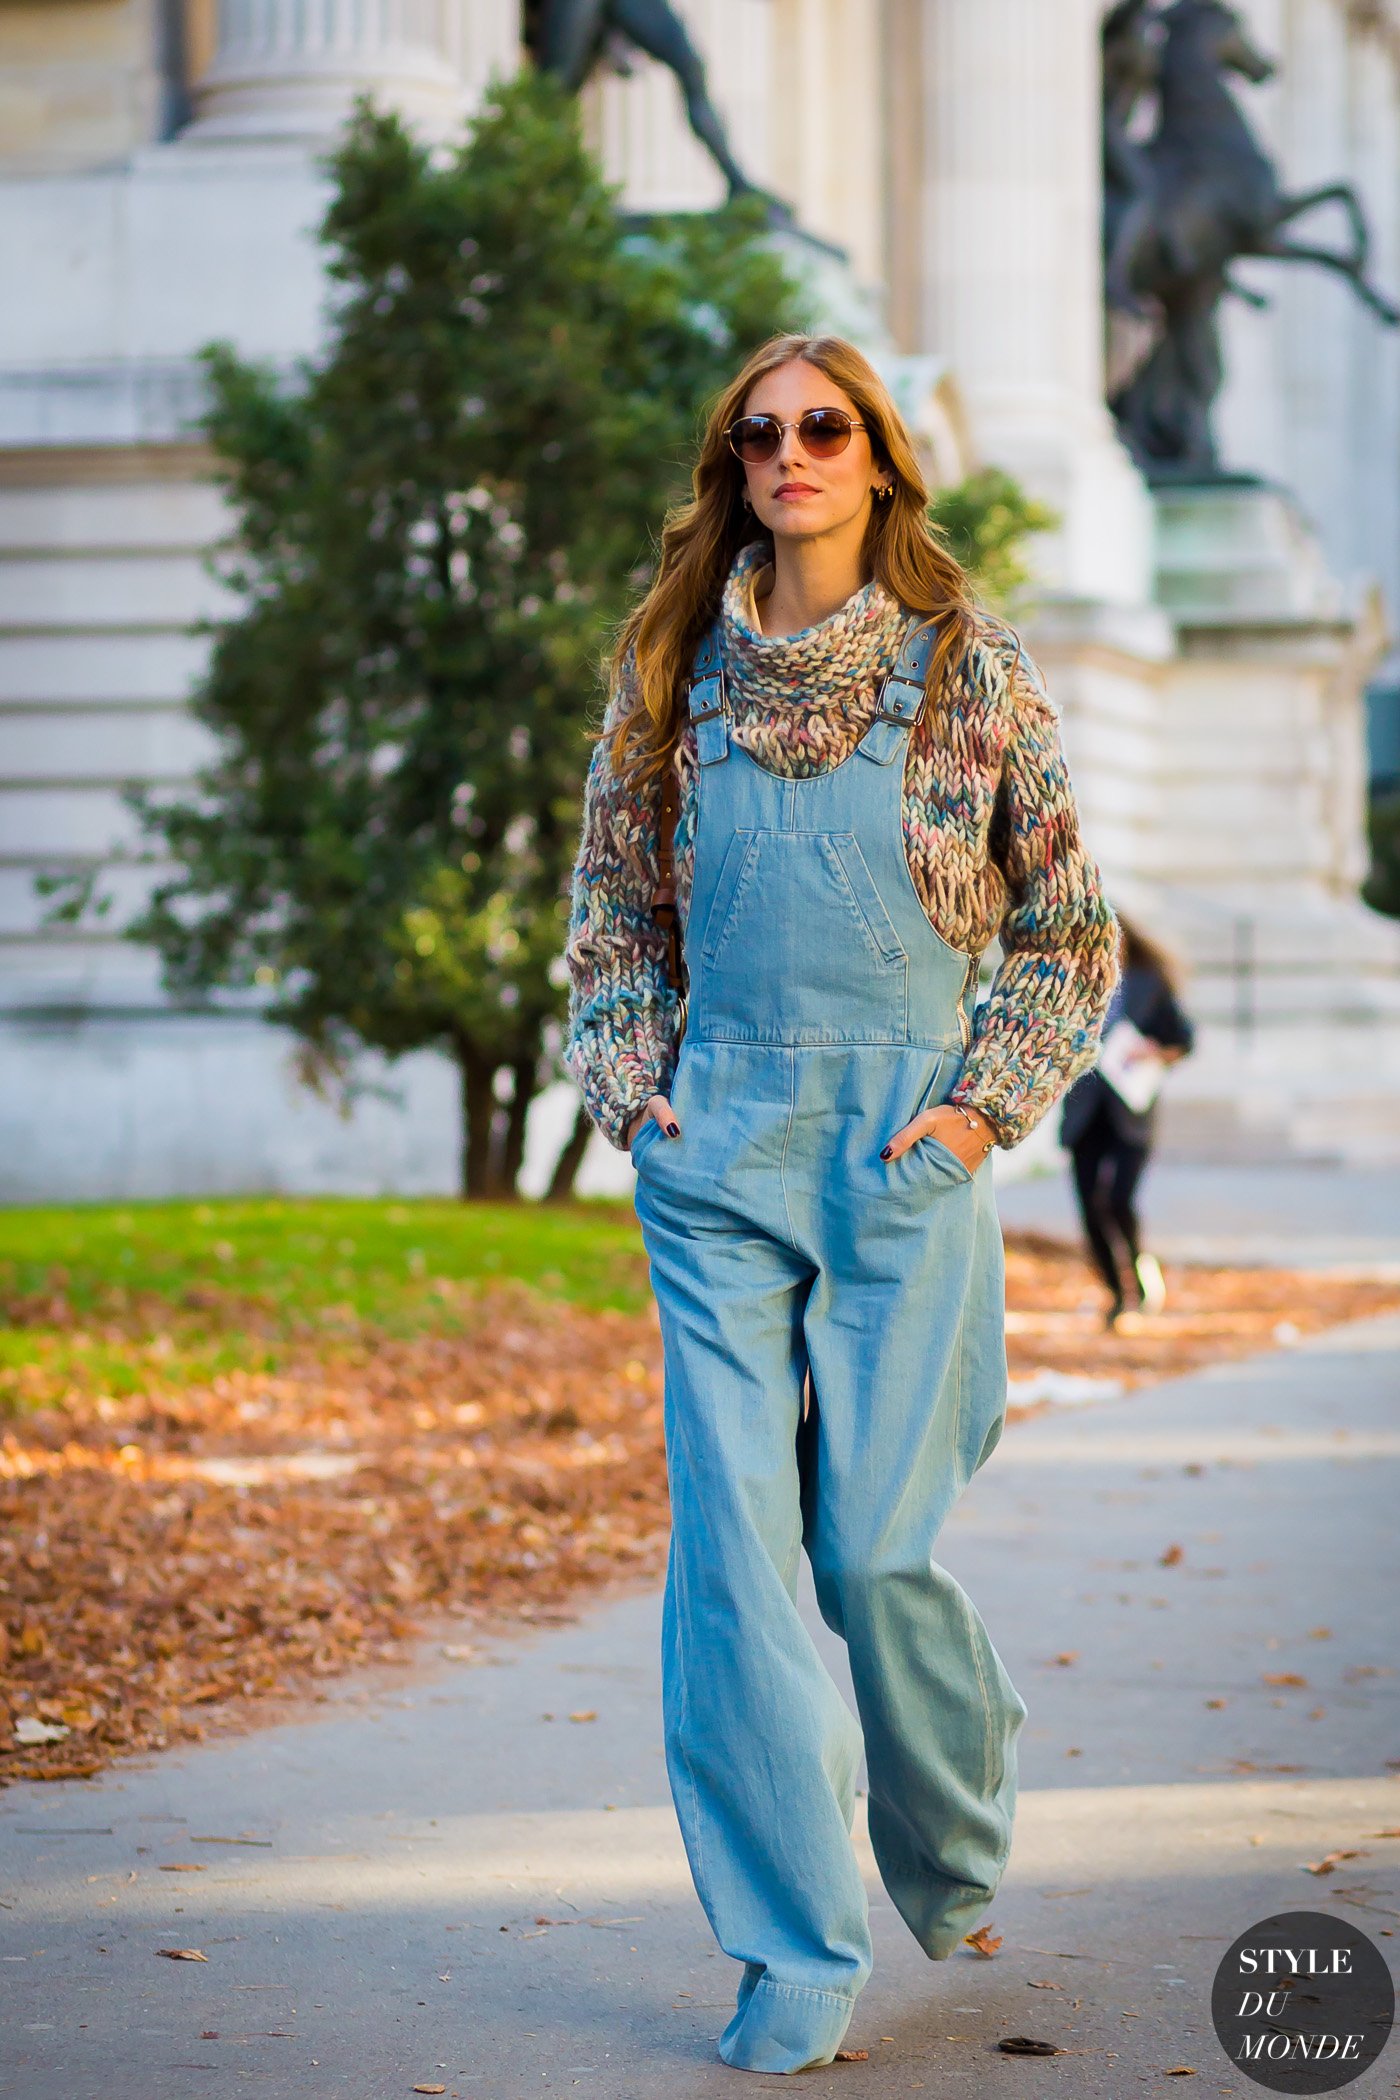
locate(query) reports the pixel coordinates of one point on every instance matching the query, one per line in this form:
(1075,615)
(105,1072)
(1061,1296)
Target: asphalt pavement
(1294,1214)
(441,1879)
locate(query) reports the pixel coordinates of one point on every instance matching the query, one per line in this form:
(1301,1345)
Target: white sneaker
(1151,1283)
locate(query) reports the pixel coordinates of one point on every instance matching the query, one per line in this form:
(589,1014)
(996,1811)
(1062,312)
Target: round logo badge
(1303,2002)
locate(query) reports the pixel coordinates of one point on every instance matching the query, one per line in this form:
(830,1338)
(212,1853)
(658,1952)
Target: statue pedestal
(1255,850)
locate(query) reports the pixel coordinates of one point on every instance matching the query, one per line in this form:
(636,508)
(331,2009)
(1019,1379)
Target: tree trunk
(493,1133)
(478,1107)
(513,1149)
(561,1183)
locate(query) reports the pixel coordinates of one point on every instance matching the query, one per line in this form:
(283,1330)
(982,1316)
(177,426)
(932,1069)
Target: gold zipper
(969,977)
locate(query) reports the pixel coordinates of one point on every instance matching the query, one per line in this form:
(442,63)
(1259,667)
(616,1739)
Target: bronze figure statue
(570,37)
(1180,206)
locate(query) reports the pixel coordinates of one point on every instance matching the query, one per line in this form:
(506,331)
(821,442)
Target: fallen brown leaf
(1180,2071)
(184,1866)
(1283,1677)
(852,2056)
(1328,1862)
(983,1940)
(1170,1558)
(1027,2045)
(430,2089)
(587,1713)
(182,1954)
(215,1546)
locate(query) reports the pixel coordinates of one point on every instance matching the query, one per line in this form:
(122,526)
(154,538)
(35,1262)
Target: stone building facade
(158,185)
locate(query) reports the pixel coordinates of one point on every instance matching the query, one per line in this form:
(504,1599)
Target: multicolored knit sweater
(991,833)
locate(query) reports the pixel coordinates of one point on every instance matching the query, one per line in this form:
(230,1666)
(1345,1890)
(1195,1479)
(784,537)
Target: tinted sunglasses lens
(825,432)
(755,438)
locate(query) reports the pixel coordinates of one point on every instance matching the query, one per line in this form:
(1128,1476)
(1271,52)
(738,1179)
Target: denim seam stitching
(701,1875)
(987,1786)
(959,1475)
(802,1990)
(782,1162)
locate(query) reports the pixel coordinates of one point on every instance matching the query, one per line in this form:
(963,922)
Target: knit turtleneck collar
(837,663)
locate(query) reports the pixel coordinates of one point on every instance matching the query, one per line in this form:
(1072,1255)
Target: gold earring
(882,491)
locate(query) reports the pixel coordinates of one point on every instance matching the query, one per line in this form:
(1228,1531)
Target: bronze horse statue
(1182,205)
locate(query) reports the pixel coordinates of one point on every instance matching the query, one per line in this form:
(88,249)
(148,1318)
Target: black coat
(1145,997)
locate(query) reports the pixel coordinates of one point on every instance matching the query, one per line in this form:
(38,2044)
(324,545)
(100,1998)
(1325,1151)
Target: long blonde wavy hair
(701,538)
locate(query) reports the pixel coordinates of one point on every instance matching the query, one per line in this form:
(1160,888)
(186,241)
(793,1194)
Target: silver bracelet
(971,1123)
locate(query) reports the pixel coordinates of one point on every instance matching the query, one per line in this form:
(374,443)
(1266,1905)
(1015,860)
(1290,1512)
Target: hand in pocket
(658,1110)
(951,1129)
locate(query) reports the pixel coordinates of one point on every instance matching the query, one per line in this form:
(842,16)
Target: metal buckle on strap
(707,680)
(712,690)
(903,695)
(901,702)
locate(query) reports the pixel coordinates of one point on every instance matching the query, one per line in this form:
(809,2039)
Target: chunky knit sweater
(991,834)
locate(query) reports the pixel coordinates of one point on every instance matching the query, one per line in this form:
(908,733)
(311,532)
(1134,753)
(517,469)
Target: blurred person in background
(1107,1121)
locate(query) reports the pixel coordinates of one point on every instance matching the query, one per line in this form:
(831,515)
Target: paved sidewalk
(377,1928)
(1293,1215)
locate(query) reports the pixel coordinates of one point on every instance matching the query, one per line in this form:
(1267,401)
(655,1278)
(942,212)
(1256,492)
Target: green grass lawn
(115,1294)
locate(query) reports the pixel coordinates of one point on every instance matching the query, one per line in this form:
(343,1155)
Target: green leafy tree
(986,521)
(438,524)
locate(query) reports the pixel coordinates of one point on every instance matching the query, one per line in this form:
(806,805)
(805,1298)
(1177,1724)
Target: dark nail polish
(884,1152)
(673,1130)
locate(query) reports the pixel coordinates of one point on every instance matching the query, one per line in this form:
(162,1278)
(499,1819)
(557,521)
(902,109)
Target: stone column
(289,69)
(1011,272)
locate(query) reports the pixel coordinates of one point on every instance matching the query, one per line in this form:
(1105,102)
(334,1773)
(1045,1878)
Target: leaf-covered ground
(246,1446)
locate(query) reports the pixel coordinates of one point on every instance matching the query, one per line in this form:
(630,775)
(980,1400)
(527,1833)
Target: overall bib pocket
(728,890)
(799,913)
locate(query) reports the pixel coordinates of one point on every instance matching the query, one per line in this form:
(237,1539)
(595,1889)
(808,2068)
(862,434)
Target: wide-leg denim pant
(824,1012)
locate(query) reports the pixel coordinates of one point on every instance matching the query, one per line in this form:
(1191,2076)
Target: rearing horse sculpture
(1185,203)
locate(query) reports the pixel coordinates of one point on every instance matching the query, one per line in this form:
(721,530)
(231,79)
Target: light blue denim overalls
(824,1012)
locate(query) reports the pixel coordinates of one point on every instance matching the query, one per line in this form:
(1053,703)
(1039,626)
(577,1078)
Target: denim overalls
(824,1012)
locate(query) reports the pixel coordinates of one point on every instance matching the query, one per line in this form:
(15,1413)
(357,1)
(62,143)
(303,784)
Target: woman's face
(795,495)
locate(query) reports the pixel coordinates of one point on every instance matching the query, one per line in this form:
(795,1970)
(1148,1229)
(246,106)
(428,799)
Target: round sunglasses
(823,432)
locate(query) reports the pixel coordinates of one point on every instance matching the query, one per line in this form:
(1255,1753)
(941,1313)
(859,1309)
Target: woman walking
(1109,1137)
(867,785)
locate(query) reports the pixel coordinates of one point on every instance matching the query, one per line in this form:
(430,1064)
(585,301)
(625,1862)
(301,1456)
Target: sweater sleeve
(1040,1025)
(623,1014)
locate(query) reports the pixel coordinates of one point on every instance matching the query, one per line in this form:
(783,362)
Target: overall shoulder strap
(708,700)
(903,695)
